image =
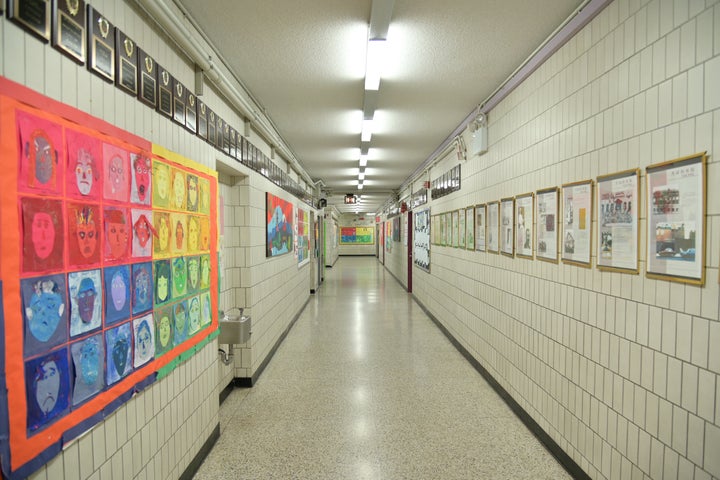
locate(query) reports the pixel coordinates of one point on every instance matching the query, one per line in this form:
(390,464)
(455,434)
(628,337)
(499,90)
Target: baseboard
(226,391)
(194,466)
(248,382)
(551,445)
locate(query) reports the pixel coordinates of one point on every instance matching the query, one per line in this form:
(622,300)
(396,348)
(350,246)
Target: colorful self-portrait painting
(84,166)
(117,234)
(161,185)
(142,233)
(43,234)
(140,185)
(163,330)
(205,309)
(179,312)
(163,281)
(204,272)
(84,232)
(161,244)
(45,311)
(193,274)
(86,301)
(117,294)
(192,192)
(39,154)
(47,386)
(88,357)
(142,288)
(193,234)
(179,189)
(204,234)
(204,189)
(179,277)
(116,168)
(279,226)
(178,233)
(118,348)
(144,330)
(193,315)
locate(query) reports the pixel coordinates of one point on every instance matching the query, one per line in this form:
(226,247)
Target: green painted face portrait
(179,280)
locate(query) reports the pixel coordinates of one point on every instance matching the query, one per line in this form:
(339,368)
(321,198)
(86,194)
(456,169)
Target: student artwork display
(105,236)
(388,236)
(480,228)
(357,235)
(443,229)
(470,228)
(576,208)
(493,225)
(617,236)
(524,225)
(676,220)
(303,237)
(421,239)
(455,228)
(546,217)
(461,228)
(507,223)
(279,215)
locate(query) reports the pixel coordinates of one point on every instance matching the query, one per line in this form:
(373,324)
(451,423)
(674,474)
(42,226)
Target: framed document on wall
(68,29)
(33,16)
(507,223)
(676,206)
(493,227)
(546,225)
(577,225)
(470,228)
(524,225)
(617,236)
(480,227)
(101,45)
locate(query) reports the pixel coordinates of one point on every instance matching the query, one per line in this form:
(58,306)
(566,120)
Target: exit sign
(350,199)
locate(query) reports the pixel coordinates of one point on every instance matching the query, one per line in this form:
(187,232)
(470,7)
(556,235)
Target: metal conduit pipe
(187,40)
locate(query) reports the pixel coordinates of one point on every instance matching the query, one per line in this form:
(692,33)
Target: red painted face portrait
(43,238)
(83,233)
(179,235)
(83,166)
(140,179)
(117,174)
(117,234)
(40,151)
(143,230)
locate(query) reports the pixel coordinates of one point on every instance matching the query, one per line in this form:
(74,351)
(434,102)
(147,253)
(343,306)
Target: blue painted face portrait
(45,309)
(47,383)
(118,351)
(144,340)
(142,287)
(180,317)
(117,293)
(87,356)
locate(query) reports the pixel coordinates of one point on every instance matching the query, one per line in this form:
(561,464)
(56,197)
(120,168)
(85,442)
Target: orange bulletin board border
(21,452)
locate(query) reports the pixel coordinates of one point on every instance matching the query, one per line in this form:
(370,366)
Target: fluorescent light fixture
(375,59)
(363,161)
(360,185)
(367,127)
(361,176)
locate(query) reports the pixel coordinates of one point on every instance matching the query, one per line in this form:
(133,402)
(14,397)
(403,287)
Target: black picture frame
(69,34)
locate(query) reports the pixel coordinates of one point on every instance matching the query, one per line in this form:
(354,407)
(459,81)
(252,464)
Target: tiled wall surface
(332,242)
(396,259)
(621,370)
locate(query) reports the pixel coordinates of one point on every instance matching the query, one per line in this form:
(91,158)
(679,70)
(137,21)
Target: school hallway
(365,386)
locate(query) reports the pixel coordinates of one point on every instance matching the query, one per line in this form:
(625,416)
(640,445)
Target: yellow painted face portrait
(193,234)
(204,186)
(161,221)
(161,184)
(204,234)
(178,190)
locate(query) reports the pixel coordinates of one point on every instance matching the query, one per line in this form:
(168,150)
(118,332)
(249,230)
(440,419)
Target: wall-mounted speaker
(322,203)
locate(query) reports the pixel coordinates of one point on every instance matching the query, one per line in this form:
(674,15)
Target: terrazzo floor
(365,386)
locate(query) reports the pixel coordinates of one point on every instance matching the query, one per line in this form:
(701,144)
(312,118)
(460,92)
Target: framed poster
(676,200)
(618,242)
(455,228)
(421,239)
(546,217)
(493,227)
(577,226)
(279,217)
(461,228)
(470,228)
(524,225)
(443,229)
(507,221)
(480,227)
(302,237)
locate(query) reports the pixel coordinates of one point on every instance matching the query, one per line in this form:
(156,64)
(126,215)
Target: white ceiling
(304,61)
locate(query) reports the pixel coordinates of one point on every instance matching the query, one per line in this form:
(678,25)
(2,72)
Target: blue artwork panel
(118,344)
(179,311)
(45,311)
(144,330)
(142,294)
(86,301)
(47,385)
(117,294)
(87,361)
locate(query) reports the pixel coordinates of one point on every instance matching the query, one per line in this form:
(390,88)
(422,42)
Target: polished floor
(365,386)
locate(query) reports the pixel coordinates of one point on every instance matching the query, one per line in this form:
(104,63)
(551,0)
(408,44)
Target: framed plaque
(524,211)
(618,240)
(68,28)
(147,78)
(211,127)
(165,92)
(219,132)
(676,227)
(126,63)
(179,101)
(202,120)
(233,143)
(101,45)
(226,139)
(470,228)
(546,221)
(493,227)
(191,112)
(31,15)
(480,227)
(507,222)
(576,233)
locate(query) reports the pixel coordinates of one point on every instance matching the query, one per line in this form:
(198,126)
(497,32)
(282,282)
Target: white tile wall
(634,87)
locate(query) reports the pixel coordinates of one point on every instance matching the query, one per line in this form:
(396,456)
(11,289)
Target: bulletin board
(357,235)
(106,253)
